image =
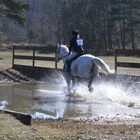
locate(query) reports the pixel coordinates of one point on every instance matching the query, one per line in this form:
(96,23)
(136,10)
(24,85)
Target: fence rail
(119,52)
(34,49)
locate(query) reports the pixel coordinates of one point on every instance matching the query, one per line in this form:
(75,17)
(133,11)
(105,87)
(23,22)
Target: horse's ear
(58,45)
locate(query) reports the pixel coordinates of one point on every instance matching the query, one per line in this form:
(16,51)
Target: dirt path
(10,128)
(72,130)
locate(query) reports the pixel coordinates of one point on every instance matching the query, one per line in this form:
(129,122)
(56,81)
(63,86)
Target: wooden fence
(119,52)
(34,49)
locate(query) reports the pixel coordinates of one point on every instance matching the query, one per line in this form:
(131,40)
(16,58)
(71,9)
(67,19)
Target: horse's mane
(64,46)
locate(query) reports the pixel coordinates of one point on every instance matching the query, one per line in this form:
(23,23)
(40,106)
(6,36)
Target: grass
(12,129)
(6,61)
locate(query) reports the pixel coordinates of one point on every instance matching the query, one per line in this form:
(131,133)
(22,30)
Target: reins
(60,58)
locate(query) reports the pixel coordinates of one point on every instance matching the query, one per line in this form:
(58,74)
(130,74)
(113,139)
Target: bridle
(60,58)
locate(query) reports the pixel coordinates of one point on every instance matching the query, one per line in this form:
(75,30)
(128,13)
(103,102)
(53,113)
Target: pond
(49,100)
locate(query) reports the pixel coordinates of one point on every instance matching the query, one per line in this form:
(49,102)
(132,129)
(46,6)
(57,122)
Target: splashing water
(117,94)
(134,93)
(3,104)
(107,97)
(110,92)
(45,116)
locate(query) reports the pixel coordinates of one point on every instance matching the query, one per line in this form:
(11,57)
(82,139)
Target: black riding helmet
(75,32)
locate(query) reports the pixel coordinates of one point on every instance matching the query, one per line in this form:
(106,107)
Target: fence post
(115,62)
(13,56)
(34,49)
(55,60)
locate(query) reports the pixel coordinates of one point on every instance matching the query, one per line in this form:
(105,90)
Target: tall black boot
(68,66)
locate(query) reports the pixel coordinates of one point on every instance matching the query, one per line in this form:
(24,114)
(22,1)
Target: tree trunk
(132,30)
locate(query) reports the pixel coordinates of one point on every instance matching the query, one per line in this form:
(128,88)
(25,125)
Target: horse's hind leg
(90,88)
(73,82)
(94,75)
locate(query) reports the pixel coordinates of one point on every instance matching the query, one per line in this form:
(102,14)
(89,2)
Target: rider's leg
(68,65)
(69,60)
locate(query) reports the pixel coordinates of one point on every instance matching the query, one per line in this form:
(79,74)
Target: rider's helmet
(75,32)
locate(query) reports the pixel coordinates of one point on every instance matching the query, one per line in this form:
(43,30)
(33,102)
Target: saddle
(69,62)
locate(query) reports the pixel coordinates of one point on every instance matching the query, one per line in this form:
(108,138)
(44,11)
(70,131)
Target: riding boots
(68,66)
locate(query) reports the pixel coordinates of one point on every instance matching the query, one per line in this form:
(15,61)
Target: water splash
(113,96)
(133,92)
(53,81)
(81,91)
(39,115)
(124,92)
(3,104)
(111,92)
(134,89)
(60,79)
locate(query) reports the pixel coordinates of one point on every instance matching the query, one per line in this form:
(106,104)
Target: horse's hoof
(90,89)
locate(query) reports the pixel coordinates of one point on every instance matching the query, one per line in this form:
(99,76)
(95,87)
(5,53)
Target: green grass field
(6,61)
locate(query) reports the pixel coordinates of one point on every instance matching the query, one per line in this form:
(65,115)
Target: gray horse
(85,67)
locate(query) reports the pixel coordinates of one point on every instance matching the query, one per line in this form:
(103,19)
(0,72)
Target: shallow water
(49,100)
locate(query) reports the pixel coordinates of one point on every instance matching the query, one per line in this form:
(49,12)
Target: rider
(75,48)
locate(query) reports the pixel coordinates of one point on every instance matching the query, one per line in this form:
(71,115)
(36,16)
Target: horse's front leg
(68,81)
(73,84)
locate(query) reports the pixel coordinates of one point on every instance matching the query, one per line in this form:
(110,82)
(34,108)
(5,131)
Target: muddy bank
(10,128)
(12,75)
(78,130)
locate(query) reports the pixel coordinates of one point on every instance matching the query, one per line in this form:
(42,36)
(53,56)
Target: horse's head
(62,52)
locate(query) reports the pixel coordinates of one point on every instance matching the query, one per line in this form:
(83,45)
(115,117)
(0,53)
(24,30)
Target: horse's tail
(99,62)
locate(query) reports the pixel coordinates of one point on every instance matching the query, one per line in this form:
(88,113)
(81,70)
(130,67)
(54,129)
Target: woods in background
(105,24)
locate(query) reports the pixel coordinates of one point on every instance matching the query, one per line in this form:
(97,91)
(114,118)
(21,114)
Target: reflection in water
(49,100)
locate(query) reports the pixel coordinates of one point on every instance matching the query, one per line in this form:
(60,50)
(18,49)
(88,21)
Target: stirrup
(65,69)
(68,70)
